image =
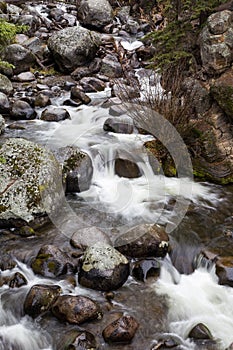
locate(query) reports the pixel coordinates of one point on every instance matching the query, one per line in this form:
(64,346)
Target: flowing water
(170,306)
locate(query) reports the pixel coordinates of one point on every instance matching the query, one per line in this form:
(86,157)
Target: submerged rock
(103,268)
(28,172)
(75,309)
(121,331)
(73,47)
(40,299)
(143,240)
(52,262)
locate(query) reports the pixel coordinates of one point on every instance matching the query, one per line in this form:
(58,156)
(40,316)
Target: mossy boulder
(29,181)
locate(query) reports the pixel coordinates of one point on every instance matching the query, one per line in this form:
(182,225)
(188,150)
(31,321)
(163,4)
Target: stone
(22,110)
(219,22)
(40,299)
(95,13)
(4,103)
(200,331)
(2,124)
(80,72)
(73,47)
(127,168)
(6,86)
(77,94)
(224,270)
(143,269)
(120,125)
(42,100)
(88,236)
(144,240)
(132,26)
(52,262)
(78,340)
(103,268)
(22,58)
(28,172)
(25,76)
(53,114)
(56,14)
(76,309)
(111,67)
(92,84)
(123,14)
(116,109)
(17,280)
(121,331)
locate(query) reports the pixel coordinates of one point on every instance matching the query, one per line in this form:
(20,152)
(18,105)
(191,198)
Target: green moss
(2,160)
(224,97)
(52,266)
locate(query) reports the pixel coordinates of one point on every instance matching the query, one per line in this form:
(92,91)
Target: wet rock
(53,114)
(2,124)
(73,47)
(28,172)
(76,309)
(121,331)
(25,77)
(5,85)
(22,110)
(224,270)
(4,103)
(143,269)
(77,169)
(77,94)
(200,331)
(87,236)
(26,231)
(7,262)
(78,340)
(143,240)
(111,67)
(40,299)
(127,168)
(95,13)
(121,125)
(103,268)
(17,280)
(22,58)
(72,103)
(42,100)
(91,84)
(52,262)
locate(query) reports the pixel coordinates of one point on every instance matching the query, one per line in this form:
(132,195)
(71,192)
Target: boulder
(54,114)
(73,47)
(88,236)
(77,169)
(25,77)
(120,125)
(144,240)
(17,280)
(2,124)
(4,104)
(22,110)
(22,58)
(92,84)
(111,67)
(216,42)
(77,94)
(52,262)
(95,13)
(127,168)
(28,172)
(6,86)
(40,299)
(121,331)
(42,100)
(75,309)
(224,270)
(103,268)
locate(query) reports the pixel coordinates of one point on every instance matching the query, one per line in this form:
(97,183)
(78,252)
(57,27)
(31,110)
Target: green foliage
(8,32)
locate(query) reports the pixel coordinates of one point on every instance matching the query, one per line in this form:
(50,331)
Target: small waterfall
(197,298)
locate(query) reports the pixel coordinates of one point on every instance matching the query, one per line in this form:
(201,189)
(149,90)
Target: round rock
(52,114)
(103,268)
(121,331)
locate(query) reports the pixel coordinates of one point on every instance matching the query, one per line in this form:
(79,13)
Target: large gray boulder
(95,13)
(27,173)
(216,42)
(73,47)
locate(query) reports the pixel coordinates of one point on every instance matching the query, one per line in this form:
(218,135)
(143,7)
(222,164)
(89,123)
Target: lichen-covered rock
(2,124)
(143,241)
(216,42)
(103,268)
(5,85)
(52,262)
(121,331)
(73,47)
(29,181)
(76,309)
(40,299)
(95,13)
(22,58)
